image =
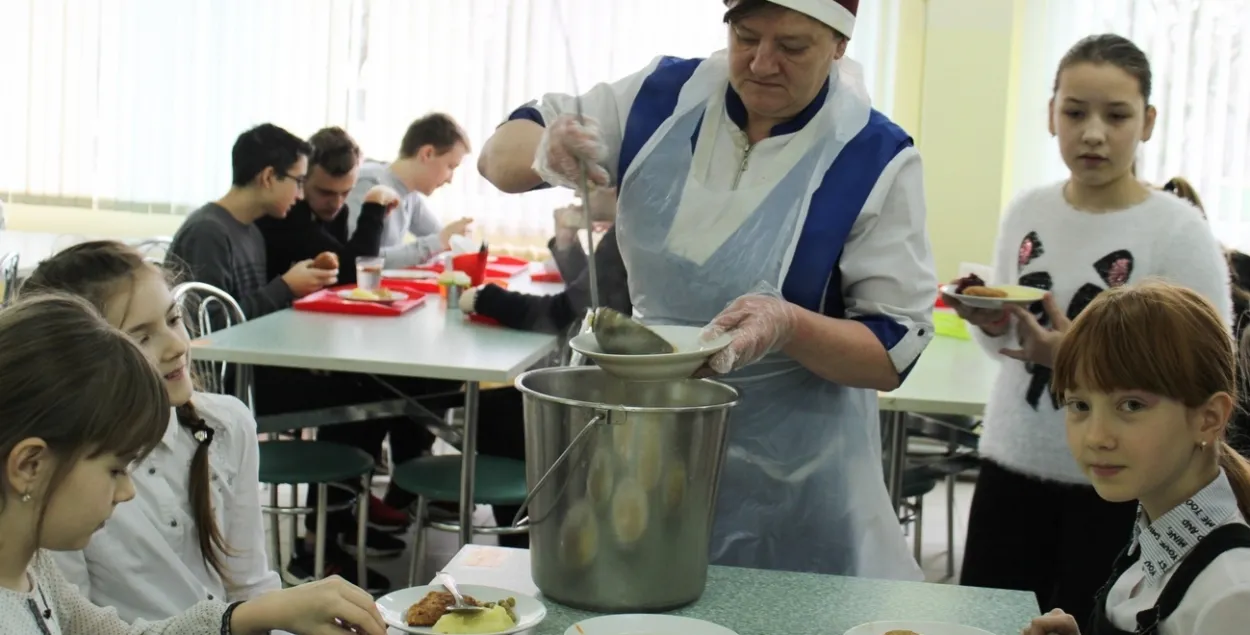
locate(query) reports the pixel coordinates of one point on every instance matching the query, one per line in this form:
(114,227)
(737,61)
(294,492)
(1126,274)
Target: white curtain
(134,104)
(1200,56)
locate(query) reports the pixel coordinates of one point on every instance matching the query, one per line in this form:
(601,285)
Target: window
(1200,53)
(135,104)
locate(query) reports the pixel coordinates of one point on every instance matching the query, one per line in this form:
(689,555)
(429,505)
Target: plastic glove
(468,300)
(565,144)
(760,322)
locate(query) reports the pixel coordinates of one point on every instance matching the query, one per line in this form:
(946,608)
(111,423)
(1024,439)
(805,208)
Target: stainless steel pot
(622,478)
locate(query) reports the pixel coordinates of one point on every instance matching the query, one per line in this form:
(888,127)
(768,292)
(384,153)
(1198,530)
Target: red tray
(482,319)
(328,301)
(547,276)
(496,266)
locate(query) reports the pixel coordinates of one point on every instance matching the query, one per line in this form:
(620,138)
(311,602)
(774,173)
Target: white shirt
(887,262)
(1218,601)
(146,561)
(72,614)
(1081,254)
(412,217)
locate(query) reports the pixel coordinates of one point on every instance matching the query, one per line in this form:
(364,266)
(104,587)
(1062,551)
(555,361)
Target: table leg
(468,463)
(898,456)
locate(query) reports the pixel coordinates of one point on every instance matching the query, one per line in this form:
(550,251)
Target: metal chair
(282,462)
(959,455)
(9,267)
(154,249)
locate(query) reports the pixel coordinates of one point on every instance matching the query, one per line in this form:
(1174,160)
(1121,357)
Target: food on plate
(629,512)
(579,535)
(495,619)
(901,632)
(599,478)
(432,607)
(376,295)
(327,260)
(455,279)
(985,292)
(970,280)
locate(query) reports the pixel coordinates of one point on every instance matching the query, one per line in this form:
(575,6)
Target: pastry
(327,260)
(970,280)
(432,607)
(985,292)
(901,632)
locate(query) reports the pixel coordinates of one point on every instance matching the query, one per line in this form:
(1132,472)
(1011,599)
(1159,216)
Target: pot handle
(520,520)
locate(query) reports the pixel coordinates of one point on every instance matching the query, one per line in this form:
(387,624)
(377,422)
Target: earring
(26,497)
(1202,446)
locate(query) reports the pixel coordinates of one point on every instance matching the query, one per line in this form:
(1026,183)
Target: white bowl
(394,606)
(691,353)
(646,625)
(925,628)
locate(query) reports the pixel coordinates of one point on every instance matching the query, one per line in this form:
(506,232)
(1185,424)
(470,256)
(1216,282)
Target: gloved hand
(565,143)
(760,322)
(468,300)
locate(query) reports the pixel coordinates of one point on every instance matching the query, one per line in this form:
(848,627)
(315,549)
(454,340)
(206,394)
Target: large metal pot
(622,478)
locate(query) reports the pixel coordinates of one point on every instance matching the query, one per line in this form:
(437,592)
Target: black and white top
(1046,243)
(1218,599)
(55,607)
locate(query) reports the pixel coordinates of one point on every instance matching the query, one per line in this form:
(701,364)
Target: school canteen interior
(114,130)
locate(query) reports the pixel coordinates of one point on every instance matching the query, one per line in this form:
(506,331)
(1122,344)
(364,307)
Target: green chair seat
(498,481)
(315,462)
(917,482)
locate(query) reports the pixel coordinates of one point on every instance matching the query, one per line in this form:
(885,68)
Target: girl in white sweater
(82,403)
(1148,380)
(1035,523)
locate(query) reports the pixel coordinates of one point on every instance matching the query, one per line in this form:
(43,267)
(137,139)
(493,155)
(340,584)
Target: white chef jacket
(1218,601)
(146,561)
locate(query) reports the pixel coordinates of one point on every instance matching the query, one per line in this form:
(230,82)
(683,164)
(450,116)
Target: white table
(952,377)
(430,341)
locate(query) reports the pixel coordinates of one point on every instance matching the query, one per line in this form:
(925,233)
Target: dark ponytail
(212,544)
(97,271)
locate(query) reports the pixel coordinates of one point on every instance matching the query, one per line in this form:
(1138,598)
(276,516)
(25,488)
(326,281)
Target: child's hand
(1038,343)
(1055,622)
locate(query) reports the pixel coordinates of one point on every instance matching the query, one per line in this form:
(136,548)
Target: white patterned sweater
(56,607)
(1046,243)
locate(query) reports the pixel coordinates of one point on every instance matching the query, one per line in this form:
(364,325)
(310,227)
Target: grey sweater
(213,247)
(413,216)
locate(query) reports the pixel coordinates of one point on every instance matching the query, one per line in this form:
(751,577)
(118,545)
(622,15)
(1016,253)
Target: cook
(760,194)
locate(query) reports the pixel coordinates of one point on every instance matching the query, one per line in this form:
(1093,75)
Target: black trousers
(1059,541)
(501,427)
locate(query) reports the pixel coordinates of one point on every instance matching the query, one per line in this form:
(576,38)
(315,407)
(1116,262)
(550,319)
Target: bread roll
(327,260)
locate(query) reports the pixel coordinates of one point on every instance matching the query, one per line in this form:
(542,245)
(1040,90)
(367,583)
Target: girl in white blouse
(194,532)
(1147,376)
(82,403)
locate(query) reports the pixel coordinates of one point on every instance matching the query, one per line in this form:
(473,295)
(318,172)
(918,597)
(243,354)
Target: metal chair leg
(418,544)
(319,555)
(951,448)
(275,531)
(362,530)
(919,524)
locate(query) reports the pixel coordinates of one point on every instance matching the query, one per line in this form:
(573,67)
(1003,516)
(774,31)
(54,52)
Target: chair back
(9,265)
(153,249)
(206,308)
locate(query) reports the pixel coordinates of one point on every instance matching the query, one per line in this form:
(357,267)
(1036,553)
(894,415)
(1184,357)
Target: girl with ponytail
(192,534)
(1147,375)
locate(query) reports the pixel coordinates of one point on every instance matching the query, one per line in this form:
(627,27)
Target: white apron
(803,487)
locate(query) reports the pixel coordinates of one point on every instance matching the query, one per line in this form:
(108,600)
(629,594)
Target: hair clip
(203,434)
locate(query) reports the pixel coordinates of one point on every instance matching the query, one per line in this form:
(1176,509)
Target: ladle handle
(519,520)
(576,358)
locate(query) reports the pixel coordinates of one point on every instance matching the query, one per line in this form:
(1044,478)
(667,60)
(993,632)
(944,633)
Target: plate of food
(689,353)
(409,274)
(381,295)
(972,291)
(423,609)
(646,625)
(915,628)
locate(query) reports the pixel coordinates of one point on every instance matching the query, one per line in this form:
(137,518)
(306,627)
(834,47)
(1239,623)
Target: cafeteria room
(376,317)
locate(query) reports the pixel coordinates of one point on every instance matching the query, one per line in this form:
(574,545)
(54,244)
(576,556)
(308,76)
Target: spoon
(460,606)
(620,335)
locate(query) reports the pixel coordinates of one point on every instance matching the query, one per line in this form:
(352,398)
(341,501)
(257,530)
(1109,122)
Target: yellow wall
(954,92)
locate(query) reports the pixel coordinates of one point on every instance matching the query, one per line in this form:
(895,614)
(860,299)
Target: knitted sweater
(1046,243)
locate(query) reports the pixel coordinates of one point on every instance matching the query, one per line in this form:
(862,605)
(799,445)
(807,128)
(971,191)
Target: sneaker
(299,569)
(383,517)
(378,544)
(443,512)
